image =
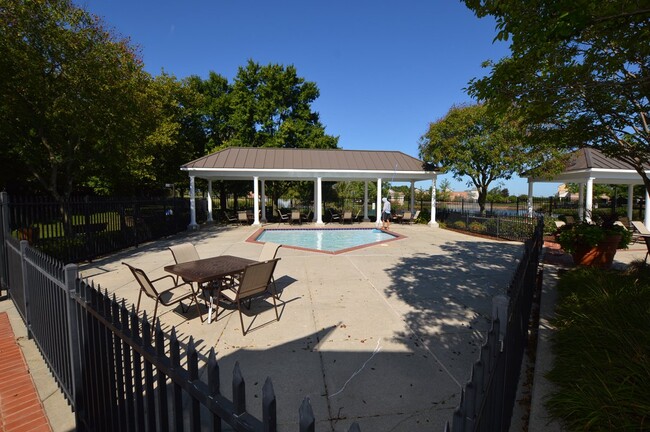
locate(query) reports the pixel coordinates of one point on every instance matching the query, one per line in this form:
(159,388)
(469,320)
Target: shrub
(459,224)
(476,226)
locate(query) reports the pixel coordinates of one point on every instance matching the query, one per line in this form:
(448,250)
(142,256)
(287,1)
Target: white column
(646,216)
(432,222)
(530,199)
(263,202)
(589,198)
(412,197)
(365,202)
(256,202)
(210,220)
(315,217)
(581,201)
(193,225)
(630,201)
(319,201)
(379,206)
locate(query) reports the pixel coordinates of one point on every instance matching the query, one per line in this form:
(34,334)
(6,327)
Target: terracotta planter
(601,255)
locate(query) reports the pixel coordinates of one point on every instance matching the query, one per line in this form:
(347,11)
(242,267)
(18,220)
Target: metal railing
(487,400)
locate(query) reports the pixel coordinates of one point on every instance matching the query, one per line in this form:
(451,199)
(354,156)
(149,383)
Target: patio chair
(625,221)
(406,217)
(255,282)
(309,217)
(184,252)
(415,216)
(242,217)
(167,296)
(640,231)
(295,217)
(283,217)
(358,217)
(229,218)
(269,251)
(334,216)
(347,216)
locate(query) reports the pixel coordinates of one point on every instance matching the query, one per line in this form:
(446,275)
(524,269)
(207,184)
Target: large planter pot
(601,255)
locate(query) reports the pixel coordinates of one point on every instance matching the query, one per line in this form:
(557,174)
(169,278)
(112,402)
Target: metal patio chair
(167,296)
(256,282)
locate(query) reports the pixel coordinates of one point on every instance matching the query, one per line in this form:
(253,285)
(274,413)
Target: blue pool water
(330,240)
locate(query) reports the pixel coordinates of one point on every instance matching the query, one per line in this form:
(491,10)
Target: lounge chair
(229,218)
(168,296)
(334,216)
(283,217)
(359,216)
(309,217)
(406,217)
(347,216)
(242,217)
(415,216)
(256,281)
(640,231)
(295,217)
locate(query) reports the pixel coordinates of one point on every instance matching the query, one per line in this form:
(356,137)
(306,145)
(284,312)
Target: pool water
(326,240)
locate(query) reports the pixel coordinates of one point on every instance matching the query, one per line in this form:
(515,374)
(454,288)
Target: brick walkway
(20,407)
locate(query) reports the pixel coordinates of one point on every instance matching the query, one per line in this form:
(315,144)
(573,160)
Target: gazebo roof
(588,163)
(242,163)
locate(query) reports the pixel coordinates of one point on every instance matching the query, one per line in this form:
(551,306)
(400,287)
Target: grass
(602,349)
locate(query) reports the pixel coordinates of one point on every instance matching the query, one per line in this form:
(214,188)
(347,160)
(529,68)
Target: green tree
(474,142)
(578,73)
(271,107)
(443,191)
(72,95)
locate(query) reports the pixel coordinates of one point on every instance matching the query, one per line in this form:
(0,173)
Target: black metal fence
(516,228)
(487,400)
(111,371)
(117,378)
(82,229)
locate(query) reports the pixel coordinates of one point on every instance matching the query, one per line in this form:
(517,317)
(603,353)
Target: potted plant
(594,244)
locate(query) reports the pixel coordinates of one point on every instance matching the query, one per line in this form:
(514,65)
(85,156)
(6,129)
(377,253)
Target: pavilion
(258,164)
(588,166)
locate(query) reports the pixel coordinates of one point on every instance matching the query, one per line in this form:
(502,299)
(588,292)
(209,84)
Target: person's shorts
(385,217)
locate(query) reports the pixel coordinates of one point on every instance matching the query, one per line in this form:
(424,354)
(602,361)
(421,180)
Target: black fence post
(23,264)
(5,231)
(71,273)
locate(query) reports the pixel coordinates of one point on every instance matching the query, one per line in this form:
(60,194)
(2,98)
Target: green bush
(476,227)
(602,350)
(459,224)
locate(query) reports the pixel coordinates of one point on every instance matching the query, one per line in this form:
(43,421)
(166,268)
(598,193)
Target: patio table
(208,270)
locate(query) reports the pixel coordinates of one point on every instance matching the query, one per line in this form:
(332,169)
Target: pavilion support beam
(630,201)
(589,199)
(319,201)
(365,202)
(432,222)
(315,216)
(646,216)
(193,225)
(263,202)
(581,201)
(412,208)
(256,201)
(379,207)
(210,219)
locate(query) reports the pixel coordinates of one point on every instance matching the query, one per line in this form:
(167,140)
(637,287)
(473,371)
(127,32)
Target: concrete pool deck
(384,336)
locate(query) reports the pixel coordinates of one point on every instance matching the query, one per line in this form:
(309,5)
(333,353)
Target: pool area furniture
(171,295)
(295,217)
(256,282)
(209,274)
(347,216)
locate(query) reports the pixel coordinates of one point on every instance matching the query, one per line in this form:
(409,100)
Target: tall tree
(474,142)
(271,107)
(578,73)
(72,95)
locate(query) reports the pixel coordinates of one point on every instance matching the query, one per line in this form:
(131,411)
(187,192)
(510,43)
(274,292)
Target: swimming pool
(328,240)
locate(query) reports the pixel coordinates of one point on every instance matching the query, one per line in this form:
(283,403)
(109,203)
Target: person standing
(385,214)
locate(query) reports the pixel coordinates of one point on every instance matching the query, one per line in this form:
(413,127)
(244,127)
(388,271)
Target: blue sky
(385,69)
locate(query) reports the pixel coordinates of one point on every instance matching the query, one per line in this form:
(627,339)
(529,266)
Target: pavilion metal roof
(288,164)
(592,163)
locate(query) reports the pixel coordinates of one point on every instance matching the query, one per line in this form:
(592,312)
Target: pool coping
(253,238)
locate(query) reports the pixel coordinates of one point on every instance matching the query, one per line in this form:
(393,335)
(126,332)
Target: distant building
(396,197)
(468,195)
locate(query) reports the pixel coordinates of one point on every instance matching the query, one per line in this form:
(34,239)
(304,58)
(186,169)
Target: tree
(578,73)
(475,142)
(73,96)
(443,191)
(271,107)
